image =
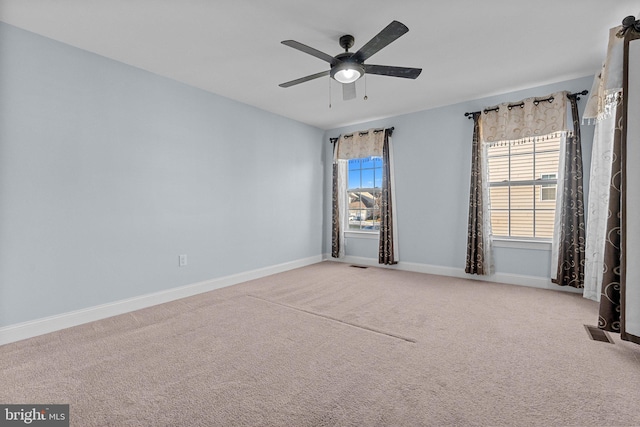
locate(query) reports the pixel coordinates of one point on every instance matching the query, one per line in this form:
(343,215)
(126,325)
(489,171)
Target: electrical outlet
(182,260)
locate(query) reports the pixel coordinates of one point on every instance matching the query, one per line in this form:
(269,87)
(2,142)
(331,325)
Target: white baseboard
(511,279)
(45,325)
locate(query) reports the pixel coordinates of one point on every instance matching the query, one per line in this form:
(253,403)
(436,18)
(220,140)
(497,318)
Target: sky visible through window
(365,173)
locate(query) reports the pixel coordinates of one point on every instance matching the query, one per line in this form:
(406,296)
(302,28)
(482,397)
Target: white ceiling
(468,49)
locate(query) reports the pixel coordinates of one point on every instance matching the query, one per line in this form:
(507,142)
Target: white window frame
(359,233)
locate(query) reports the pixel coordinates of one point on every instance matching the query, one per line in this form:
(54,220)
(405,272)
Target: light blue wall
(108,173)
(432,154)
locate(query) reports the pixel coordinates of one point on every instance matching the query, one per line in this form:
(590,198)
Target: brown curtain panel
(335,214)
(609,316)
(571,254)
(386,250)
(475,242)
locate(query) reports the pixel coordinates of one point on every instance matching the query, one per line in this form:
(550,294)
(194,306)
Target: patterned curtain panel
(571,250)
(335,215)
(609,316)
(477,234)
(530,118)
(598,214)
(387,253)
(338,207)
(604,255)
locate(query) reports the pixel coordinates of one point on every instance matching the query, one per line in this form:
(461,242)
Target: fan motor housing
(345,57)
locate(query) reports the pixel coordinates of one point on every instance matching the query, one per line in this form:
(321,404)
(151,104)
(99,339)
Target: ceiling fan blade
(385,70)
(304,79)
(348,91)
(390,33)
(311,51)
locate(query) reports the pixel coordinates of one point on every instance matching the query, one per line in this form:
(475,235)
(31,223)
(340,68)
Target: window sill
(362,235)
(506,242)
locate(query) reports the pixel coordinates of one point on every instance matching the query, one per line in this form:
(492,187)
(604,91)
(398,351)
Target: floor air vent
(597,334)
(358,266)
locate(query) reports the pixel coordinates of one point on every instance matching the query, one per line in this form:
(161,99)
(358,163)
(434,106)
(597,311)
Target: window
(548,191)
(363,191)
(522,185)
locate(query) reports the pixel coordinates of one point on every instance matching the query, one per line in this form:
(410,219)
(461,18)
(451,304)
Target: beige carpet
(332,345)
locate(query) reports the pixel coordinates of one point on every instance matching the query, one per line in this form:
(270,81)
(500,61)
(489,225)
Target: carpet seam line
(324,316)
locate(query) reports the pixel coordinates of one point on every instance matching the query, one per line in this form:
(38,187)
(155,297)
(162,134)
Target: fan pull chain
(365,87)
(329,92)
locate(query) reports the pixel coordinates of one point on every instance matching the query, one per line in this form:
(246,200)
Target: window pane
(521,147)
(548,144)
(355,164)
(377,161)
(500,148)
(377,194)
(368,163)
(354,225)
(367,199)
(522,223)
(546,163)
(544,223)
(356,218)
(522,197)
(367,178)
(367,219)
(498,169)
(354,201)
(522,167)
(499,197)
(500,223)
(378,178)
(354,179)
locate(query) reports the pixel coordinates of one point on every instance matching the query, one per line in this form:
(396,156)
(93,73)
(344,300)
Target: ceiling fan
(348,67)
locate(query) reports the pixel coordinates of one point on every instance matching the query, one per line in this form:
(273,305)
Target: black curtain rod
(391,129)
(630,22)
(520,104)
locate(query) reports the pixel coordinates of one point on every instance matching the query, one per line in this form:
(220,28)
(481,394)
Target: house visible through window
(548,191)
(363,191)
(522,185)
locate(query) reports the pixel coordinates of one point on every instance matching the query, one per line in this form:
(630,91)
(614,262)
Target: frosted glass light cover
(347,75)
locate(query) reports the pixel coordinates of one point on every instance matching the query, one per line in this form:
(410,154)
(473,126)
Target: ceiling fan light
(347,72)
(347,75)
